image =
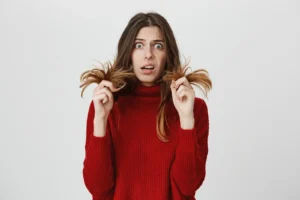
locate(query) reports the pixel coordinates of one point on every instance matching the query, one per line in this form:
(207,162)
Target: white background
(250,48)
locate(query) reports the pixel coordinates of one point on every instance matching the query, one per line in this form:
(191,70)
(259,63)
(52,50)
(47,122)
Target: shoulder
(200,103)
(91,110)
(200,107)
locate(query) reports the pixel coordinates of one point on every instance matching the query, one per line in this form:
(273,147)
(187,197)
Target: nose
(148,52)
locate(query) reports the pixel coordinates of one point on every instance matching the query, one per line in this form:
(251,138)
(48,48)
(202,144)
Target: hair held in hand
(118,77)
(126,79)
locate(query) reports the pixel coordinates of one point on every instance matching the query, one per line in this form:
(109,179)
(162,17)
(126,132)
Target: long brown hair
(121,74)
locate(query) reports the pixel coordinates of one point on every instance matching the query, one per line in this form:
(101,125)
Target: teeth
(148,67)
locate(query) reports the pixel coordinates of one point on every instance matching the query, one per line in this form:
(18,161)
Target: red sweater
(131,163)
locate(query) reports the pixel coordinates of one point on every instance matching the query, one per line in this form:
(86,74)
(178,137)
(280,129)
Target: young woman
(147,139)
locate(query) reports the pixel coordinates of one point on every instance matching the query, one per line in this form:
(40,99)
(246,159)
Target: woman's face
(148,52)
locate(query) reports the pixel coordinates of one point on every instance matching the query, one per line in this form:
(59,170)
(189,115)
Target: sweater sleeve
(188,169)
(98,170)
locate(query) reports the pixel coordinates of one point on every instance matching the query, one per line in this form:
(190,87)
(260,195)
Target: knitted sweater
(131,163)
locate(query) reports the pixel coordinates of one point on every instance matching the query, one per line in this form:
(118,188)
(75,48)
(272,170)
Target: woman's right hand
(103,98)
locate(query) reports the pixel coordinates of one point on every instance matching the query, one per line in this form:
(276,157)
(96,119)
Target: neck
(150,91)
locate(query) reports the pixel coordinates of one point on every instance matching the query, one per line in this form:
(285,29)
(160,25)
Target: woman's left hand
(183,96)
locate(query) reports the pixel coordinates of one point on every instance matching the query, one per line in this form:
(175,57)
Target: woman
(147,139)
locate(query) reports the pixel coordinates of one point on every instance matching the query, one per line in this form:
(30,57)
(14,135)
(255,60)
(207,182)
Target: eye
(138,45)
(158,46)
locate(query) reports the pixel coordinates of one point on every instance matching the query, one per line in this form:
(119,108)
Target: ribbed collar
(147,91)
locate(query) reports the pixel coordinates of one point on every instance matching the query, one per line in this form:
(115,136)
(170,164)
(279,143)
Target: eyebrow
(153,40)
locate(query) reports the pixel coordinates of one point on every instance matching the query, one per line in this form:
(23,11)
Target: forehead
(150,33)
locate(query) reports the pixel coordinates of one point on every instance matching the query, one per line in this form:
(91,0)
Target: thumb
(117,89)
(172,86)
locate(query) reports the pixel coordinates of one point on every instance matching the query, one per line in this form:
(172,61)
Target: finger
(105,99)
(173,90)
(183,94)
(117,89)
(103,83)
(100,88)
(182,81)
(108,84)
(100,97)
(106,91)
(186,93)
(182,89)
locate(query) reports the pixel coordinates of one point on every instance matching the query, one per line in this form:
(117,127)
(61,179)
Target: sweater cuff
(99,147)
(187,134)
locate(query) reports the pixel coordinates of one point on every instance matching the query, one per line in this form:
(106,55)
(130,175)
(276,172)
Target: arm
(188,169)
(98,170)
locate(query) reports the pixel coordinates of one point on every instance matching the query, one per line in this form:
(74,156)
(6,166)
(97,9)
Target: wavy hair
(121,74)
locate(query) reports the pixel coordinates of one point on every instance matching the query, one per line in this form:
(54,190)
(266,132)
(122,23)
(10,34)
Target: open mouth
(147,68)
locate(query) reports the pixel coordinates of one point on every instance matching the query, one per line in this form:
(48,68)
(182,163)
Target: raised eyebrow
(152,40)
(159,41)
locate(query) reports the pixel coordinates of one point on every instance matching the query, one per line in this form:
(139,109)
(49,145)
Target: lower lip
(147,71)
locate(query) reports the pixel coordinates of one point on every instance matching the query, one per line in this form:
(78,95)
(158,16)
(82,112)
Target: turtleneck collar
(147,91)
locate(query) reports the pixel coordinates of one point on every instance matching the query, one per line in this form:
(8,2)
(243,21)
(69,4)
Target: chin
(148,79)
(147,82)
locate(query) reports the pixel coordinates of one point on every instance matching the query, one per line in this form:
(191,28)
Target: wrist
(100,118)
(187,122)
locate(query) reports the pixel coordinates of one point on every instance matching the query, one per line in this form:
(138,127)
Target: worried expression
(148,55)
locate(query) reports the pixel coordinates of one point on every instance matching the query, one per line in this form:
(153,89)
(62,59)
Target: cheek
(135,57)
(135,60)
(162,55)
(162,59)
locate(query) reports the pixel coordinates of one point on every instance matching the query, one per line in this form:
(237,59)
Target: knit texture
(131,163)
